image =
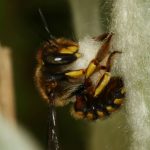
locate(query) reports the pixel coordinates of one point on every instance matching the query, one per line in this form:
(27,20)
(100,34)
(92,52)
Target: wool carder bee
(94,92)
(97,94)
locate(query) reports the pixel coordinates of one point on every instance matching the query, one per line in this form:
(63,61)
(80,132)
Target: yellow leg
(75,73)
(118,101)
(102,85)
(91,68)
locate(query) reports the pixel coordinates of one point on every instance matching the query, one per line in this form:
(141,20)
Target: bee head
(58,51)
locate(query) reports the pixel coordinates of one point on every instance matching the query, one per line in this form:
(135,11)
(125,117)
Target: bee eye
(58,59)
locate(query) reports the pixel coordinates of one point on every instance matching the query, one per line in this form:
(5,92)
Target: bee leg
(102,83)
(110,60)
(104,80)
(91,68)
(104,49)
(101,37)
(75,73)
(102,53)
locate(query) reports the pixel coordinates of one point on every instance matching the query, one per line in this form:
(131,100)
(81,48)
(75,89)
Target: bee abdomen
(109,101)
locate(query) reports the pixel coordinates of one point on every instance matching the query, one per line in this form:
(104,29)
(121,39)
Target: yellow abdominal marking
(69,50)
(89,116)
(75,74)
(100,114)
(102,85)
(118,101)
(110,109)
(78,114)
(91,68)
(123,90)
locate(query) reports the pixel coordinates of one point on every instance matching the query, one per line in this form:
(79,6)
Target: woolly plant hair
(131,25)
(128,129)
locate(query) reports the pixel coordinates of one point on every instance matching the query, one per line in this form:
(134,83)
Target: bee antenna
(45,24)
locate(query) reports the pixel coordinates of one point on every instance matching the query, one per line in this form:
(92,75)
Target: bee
(94,92)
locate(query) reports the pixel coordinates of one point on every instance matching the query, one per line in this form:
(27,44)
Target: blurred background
(22,30)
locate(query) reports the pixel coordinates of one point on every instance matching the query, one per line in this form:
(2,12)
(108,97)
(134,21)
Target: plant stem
(7,106)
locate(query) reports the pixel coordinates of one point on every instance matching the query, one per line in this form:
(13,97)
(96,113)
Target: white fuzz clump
(131,25)
(88,48)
